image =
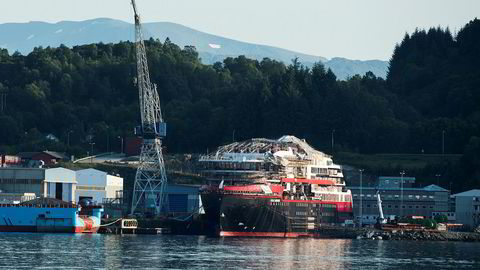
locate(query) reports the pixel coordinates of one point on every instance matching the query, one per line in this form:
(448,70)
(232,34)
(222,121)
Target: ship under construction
(273,188)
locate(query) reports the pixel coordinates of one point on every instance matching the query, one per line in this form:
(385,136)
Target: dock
(128,226)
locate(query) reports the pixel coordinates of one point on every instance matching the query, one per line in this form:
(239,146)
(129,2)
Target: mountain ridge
(23,37)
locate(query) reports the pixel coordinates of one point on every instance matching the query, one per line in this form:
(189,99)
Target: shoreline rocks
(364,233)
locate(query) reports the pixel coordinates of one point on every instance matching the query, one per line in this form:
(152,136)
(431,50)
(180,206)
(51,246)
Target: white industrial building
(97,185)
(20,184)
(467,207)
(60,184)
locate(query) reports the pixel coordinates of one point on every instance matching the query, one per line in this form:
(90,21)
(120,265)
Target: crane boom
(150,110)
(134,5)
(381,218)
(150,179)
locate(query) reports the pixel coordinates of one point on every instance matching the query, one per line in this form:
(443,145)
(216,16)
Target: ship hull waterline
(271,216)
(47,219)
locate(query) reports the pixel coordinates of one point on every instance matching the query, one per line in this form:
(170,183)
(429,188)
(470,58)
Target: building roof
(55,154)
(60,175)
(30,155)
(90,170)
(434,188)
(470,193)
(27,154)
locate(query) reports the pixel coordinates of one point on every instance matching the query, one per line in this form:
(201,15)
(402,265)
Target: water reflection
(301,253)
(67,251)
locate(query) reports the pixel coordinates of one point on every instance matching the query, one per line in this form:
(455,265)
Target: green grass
(393,161)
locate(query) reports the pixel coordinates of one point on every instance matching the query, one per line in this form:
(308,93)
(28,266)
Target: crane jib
(135,9)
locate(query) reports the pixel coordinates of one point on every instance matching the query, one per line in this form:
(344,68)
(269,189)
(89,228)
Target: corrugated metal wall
(178,202)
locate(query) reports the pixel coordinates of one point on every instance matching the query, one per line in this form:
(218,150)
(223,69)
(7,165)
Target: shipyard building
(22,184)
(19,184)
(399,198)
(97,185)
(467,207)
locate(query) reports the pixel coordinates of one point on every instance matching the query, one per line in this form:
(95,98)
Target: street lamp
(402,173)
(121,145)
(361,198)
(333,132)
(438,178)
(91,153)
(443,142)
(108,140)
(68,137)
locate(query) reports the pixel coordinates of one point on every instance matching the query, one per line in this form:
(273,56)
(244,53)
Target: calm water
(62,251)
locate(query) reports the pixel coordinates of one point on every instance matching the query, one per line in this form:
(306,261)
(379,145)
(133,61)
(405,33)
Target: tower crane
(150,178)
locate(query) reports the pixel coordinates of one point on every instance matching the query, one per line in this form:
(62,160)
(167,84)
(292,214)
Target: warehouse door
(58,191)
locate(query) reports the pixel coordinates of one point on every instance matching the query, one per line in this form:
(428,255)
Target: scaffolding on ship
(261,160)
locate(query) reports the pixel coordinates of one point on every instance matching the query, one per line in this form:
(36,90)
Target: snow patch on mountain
(214,46)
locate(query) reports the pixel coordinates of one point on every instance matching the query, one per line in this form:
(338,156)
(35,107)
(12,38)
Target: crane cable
(104,225)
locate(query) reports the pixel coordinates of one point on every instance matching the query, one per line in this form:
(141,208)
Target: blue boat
(50,215)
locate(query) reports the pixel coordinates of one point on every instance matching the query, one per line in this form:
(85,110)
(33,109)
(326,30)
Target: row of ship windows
(396,206)
(447,214)
(305,204)
(333,197)
(319,205)
(394,196)
(235,165)
(318,170)
(301,213)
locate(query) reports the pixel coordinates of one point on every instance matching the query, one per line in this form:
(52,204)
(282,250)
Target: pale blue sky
(353,29)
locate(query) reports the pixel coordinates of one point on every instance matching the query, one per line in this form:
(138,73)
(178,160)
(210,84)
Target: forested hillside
(88,93)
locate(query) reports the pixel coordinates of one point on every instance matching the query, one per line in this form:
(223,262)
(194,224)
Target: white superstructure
(304,171)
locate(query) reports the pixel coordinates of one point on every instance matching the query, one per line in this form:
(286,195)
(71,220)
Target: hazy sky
(355,29)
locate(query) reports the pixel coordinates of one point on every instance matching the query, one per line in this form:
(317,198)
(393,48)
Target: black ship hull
(271,216)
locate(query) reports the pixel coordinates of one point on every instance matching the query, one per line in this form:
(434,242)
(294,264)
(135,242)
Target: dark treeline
(429,103)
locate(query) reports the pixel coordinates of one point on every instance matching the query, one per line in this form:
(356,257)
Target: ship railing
(241,192)
(112,200)
(215,158)
(334,179)
(236,180)
(246,193)
(37,205)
